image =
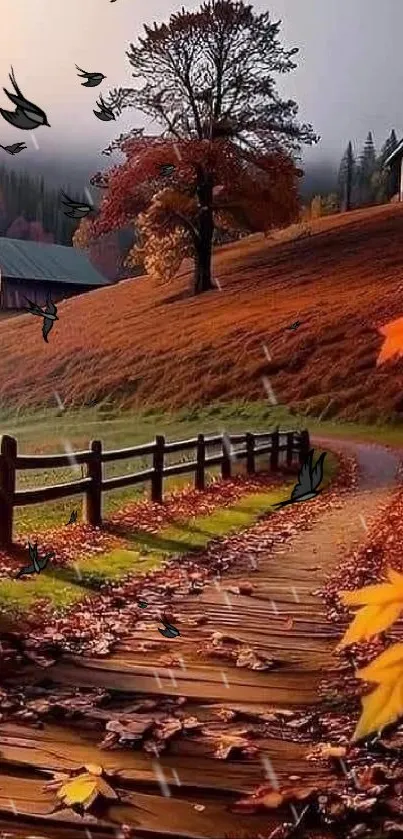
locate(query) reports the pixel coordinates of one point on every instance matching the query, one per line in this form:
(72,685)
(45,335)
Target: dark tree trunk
(204,245)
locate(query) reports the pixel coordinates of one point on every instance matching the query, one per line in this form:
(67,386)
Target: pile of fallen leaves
(354,805)
(94,624)
(79,541)
(382,547)
(188,503)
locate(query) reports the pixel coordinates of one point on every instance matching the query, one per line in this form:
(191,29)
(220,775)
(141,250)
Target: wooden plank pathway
(202,788)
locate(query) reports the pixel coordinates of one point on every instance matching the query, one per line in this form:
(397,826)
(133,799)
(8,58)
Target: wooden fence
(94,484)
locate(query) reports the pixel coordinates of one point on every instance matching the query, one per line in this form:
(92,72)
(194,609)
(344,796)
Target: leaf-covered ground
(340,281)
(172,729)
(272,662)
(138,538)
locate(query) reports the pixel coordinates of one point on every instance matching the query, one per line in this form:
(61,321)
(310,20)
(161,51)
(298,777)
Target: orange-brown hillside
(142,344)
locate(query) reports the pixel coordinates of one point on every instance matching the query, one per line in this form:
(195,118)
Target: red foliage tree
(208,81)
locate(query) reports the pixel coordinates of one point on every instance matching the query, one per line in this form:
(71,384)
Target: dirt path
(202,787)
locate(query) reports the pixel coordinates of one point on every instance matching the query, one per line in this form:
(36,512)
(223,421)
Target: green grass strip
(65,586)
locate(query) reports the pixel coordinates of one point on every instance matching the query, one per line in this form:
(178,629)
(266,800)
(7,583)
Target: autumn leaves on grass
(381,605)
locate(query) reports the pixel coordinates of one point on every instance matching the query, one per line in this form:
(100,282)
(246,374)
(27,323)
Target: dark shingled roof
(53,263)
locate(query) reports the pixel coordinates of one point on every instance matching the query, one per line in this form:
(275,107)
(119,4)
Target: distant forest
(362,178)
(29,209)
(32,211)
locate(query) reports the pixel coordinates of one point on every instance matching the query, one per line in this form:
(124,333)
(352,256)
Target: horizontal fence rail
(289,444)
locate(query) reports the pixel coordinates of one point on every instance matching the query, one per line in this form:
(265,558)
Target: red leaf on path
(265,798)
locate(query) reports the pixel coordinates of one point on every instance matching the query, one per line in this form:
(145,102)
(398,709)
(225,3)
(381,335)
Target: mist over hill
(319,178)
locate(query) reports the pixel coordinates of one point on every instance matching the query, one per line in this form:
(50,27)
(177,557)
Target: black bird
(73,517)
(167,169)
(77,209)
(15,148)
(294,325)
(104,113)
(93,79)
(48,314)
(142,603)
(308,480)
(27,116)
(170,631)
(37,565)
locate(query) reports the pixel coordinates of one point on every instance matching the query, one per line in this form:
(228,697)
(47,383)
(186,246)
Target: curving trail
(201,787)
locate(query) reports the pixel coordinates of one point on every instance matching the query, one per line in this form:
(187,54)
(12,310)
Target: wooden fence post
(250,453)
(8,458)
(158,466)
(305,445)
(226,460)
(93,498)
(201,460)
(290,446)
(275,443)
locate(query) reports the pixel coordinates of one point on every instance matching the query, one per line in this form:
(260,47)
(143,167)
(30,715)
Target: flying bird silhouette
(76,209)
(48,313)
(37,564)
(167,169)
(93,79)
(27,116)
(73,517)
(170,631)
(308,480)
(294,325)
(104,113)
(15,148)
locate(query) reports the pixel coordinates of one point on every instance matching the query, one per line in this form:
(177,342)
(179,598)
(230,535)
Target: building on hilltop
(37,270)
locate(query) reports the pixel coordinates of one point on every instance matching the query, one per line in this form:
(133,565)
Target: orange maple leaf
(393,343)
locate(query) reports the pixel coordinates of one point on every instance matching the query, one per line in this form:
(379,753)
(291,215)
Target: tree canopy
(224,152)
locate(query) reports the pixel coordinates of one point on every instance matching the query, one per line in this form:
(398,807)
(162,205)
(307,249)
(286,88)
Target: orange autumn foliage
(392,347)
(146,344)
(256,193)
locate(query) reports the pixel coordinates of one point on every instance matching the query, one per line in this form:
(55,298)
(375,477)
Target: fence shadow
(286,444)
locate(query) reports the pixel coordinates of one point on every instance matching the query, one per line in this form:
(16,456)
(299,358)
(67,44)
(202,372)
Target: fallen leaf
(246,657)
(327,751)
(265,798)
(224,744)
(83,790)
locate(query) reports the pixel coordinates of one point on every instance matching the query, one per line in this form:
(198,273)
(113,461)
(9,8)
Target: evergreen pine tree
(347,178)
(366,171)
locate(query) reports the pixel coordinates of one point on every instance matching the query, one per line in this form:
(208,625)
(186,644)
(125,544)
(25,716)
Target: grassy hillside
(144,345)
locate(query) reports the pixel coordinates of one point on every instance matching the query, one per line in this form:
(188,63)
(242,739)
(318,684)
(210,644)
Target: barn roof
(397,153)
(49,263)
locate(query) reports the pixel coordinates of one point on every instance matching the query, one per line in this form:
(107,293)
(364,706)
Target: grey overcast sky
(349,78)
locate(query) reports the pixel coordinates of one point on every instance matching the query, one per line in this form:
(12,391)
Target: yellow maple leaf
(380,708)
(385,668)
(85,788)
(382,605)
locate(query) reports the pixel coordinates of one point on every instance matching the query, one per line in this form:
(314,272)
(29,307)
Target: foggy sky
(348,80)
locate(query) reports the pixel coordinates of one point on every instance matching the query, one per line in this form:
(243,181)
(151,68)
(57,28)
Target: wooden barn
(37,270)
